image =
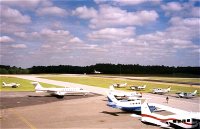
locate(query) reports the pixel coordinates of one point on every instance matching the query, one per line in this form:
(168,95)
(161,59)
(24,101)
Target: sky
(82,33)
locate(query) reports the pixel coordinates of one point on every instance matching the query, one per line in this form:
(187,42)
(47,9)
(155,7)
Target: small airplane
(161,91)
(174,120)
(119,85)
(97,72)
(138,87)
(187,94)
(128,105)
(13,85)
(124,94)
(59,92)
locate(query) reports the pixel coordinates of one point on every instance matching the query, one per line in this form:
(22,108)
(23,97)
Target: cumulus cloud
(178,36)
(195,12)
(112,33)
(135,2)
(26,4)
(114,16)
(19,46)
(172,6)
(13,16)
(128,2)
(84,12)
(52,10)
(6,39)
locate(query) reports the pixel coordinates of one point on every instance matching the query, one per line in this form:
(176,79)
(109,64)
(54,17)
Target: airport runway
(192,105)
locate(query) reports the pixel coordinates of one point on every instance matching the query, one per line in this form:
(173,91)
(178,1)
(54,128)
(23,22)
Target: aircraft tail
(145,109)
(144,86)
(195,92)
(168,89)
(38,87)
(4,84)
(111,88)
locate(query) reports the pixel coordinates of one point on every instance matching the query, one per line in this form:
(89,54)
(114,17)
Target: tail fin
(195,92)
(112,88)
(144,86)
(4,84)
(168,89)
(37,86)
(145,109)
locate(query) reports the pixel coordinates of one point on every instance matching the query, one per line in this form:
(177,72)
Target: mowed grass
(106,82)
(175,79)
(25,85)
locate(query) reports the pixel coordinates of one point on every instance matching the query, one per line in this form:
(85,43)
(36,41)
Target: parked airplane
(119,85)
(124,94)
(138,87)
(59,92)
(182,120)
(97,72)
(129,105)
(161,91)
(187,94)
(13,85)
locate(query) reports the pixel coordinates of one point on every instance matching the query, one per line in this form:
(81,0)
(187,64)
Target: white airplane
(128,105)
(138,87)
(13,85)
(160,90)
(119,85)
(97,72)
(174,120)
(59,92)
(187,94)
(124,94)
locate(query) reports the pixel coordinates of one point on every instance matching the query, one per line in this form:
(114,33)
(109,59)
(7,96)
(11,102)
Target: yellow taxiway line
(23,119)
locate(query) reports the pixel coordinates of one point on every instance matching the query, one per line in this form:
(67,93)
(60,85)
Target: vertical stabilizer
(37,86)
(195,92)
(112,88)
(168,89)
(145,107)
(4,84)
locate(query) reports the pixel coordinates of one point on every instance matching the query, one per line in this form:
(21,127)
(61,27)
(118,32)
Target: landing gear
(59,97)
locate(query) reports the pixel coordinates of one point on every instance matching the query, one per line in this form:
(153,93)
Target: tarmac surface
(30,110)
(71,112)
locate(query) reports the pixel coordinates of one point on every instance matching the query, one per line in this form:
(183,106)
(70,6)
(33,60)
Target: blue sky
(68,32)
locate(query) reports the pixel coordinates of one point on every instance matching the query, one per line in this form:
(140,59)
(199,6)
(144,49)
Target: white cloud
(195,12)
(26,4)
(53,10)
(113,16)
(75,40)
(172,6)
(128,2)
(6,39)
(112,33)
(184,28)
(19,46)
(13,16)
(191,22)
(84,12)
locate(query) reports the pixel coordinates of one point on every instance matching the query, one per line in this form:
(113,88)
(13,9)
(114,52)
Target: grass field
(106,82)
(25,85)
(175,79)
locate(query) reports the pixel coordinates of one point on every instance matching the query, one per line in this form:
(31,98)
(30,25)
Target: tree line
(103,68)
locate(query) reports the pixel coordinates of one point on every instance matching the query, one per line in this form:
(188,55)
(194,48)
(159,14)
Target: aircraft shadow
(118,113)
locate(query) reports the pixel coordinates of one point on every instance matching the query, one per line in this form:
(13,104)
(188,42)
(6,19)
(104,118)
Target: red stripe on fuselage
(146,115)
